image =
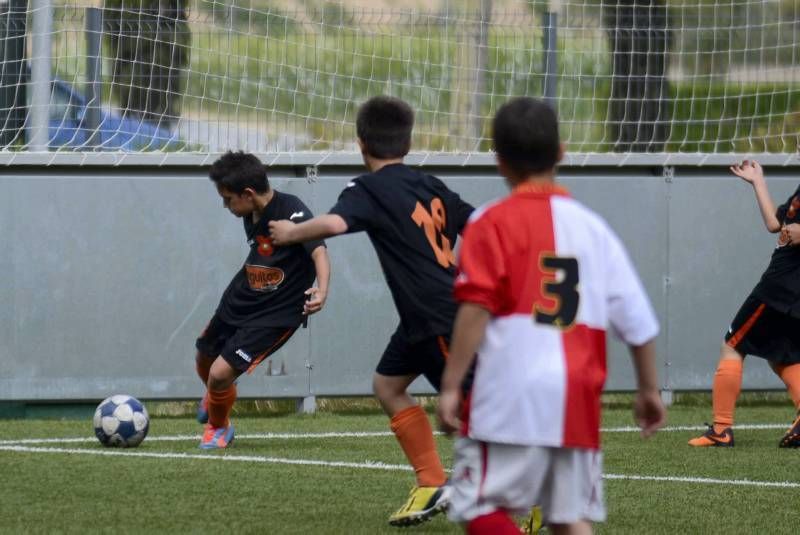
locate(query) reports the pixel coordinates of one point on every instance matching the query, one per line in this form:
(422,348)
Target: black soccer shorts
(427,357)
(243,348)
(760,330)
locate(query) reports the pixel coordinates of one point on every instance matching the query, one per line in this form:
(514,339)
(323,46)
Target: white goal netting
(198,76)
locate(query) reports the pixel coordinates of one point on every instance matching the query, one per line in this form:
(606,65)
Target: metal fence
(196,77)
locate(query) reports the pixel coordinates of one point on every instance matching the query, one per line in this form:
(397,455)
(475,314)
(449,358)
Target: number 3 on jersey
(433,223)
(559,285)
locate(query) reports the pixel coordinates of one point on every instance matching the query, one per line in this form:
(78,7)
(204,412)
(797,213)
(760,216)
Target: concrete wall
(107,275)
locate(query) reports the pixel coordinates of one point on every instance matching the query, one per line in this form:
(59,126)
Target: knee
(216,382)
(220,377)
(378,387)
(727,352)
(384,390)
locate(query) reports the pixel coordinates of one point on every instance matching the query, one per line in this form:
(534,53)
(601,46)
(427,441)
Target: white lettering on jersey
(297,214)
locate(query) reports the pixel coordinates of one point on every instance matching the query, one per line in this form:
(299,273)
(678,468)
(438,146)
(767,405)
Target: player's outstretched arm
(648,409)
(285,232)
(319,293)
(751,172)
(468,332)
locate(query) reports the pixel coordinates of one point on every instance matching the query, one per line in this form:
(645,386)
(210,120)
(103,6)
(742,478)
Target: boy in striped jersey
(540,278)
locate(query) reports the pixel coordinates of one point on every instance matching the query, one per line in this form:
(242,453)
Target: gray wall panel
(718,249)
(635,206)
(352,332)
(110,274)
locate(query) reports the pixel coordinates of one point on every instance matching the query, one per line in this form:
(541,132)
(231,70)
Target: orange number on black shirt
(433,223)
(563,290)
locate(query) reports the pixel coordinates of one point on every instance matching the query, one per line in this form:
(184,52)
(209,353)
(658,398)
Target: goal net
(183,77)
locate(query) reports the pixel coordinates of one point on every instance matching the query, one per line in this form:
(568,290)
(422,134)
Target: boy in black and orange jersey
(267,299)
(413,221)
(768,322)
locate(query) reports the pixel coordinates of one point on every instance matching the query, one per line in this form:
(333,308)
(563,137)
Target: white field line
(347,434)
(369,465)
(375,465)
(180,438)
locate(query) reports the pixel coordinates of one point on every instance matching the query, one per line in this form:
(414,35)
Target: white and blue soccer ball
(121,421)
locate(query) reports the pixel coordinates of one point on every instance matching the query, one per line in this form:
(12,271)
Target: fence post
(94,30)
(41,48)
(550,58)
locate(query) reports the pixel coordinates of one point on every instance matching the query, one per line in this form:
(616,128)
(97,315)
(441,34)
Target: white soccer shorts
(566,482)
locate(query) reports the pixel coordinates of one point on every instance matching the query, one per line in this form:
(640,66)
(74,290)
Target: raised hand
(749,170)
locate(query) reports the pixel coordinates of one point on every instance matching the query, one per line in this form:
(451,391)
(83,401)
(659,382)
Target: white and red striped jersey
(554,276)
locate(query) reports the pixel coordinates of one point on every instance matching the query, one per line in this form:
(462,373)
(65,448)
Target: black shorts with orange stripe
(762,331)
(426,357)
(243,348)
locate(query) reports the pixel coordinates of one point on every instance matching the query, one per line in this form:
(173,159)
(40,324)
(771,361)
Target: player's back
(554,275)
(413,221)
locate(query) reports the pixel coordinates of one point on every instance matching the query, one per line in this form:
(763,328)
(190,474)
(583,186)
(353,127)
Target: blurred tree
(149,42)
(639,108)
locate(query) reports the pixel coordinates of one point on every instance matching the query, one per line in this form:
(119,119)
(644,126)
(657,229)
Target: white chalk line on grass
(347,434)
(374,465)
(706,480)
(179,438)
(369,465)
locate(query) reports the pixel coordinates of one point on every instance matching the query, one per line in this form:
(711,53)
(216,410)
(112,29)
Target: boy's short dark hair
(384,125)
(525,132)
(237,171)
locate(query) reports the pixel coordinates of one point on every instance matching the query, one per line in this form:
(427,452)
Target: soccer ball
(121,422)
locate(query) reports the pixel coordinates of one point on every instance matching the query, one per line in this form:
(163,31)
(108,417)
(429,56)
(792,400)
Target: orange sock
(203,367)
(790,375)
(414,433)
(727,385)
(220,403)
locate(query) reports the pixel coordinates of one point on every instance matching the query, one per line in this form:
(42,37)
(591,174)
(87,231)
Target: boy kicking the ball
(540,278)
(412,220)
(267,299)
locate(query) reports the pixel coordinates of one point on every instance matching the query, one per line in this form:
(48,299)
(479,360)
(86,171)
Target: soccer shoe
(712,439)
(533,523)
(423,503)
(202,410)
(792,437)
(215,438)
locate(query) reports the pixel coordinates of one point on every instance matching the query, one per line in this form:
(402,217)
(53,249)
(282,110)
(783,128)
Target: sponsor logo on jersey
(351,184)
(244,355)
(296,214)
(265,247)
(263,278)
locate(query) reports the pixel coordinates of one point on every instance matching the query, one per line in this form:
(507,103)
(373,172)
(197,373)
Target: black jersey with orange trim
(413,220)
(779,286)
(269,290)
